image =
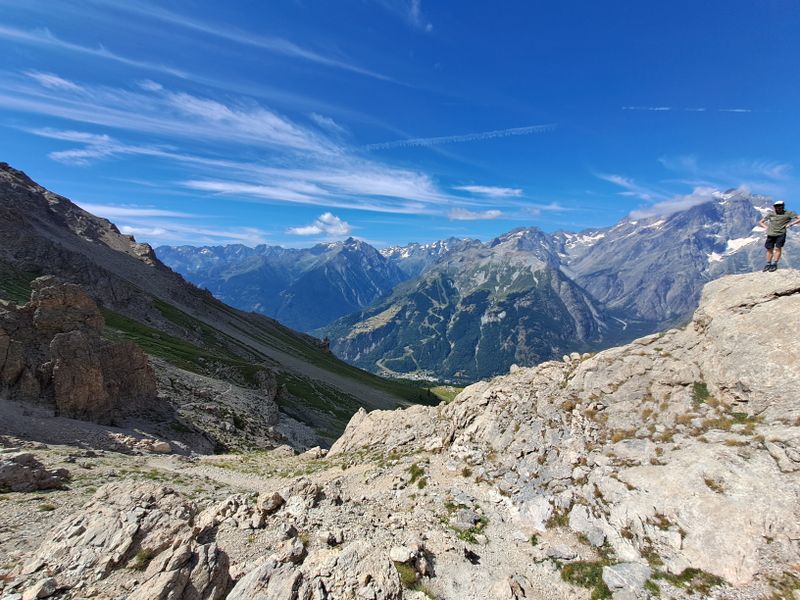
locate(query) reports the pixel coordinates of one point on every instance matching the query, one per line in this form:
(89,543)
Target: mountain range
(461,309)
(189,335)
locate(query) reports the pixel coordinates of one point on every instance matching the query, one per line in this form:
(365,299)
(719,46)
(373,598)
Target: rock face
(21,472)
(680,450)
(52,352)
(138,526)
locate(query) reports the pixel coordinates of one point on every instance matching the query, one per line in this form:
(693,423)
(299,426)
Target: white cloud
(649,108)
(491,191)
(467,137)
(53,82)
(686,109)
(699,195)
(275,45)
(170,232)
(537,209)
(631,187)
(462,214)
(144,231)
(327,123)
(296,163)
(327,223)
(150,86)
(110,211)
(43,37)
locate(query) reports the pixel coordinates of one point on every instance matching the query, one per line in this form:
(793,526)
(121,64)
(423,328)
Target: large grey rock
(629,577)
(22,472)
(139,526)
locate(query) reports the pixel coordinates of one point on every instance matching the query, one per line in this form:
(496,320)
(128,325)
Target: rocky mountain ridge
(616,283)
(607,286)
(666,468)
(183,327)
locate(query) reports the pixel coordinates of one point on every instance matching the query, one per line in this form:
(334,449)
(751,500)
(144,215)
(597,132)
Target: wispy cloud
(112,211)
(297,163)
(491,191)
(165,231)
(43,37)
(410,11)
(457,139)
(53,82)
(327,223)
(327,123)
(272,44)
(632,188)
(699,195)
(761,175)
(538,209)
(94,147)
(687,109)
(462,214)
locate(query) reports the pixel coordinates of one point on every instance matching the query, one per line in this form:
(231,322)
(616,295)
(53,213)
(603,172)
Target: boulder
(140,526)
(22,472)
(53,352)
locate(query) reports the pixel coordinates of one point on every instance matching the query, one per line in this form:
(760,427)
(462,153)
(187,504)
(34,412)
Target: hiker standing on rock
(776,224)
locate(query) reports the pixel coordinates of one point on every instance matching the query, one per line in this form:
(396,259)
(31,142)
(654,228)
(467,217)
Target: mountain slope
(475,312)
(43,233)
(653,269)
(672,459)
(304,288)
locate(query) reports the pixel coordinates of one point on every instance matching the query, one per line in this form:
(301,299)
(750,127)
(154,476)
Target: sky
(293,122)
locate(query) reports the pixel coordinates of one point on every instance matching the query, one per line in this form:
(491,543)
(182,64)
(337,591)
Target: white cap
(778,203)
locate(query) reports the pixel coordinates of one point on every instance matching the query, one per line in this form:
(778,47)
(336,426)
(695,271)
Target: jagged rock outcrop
(678,451)
(22,472)
(133,526)
(52,352)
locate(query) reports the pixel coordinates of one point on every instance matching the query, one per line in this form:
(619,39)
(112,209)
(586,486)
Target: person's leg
(769,245)
(778,252)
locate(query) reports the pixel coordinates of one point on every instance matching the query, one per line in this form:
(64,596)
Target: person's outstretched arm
(763,223)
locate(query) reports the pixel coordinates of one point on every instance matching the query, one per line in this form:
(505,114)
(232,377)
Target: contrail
(467,137)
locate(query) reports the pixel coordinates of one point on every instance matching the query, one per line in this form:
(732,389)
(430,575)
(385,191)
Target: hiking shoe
(767,267)
(773,267)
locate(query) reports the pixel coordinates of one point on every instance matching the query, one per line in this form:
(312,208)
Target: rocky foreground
(669,468)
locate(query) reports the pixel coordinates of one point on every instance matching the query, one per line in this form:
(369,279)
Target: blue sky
(296,121)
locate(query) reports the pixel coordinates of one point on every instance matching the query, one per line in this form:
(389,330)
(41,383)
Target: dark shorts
(775,241)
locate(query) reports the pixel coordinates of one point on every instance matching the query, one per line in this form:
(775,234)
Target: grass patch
(559,518)
(700,392)
(416,472)
(469,535)
(46,507)
(175,351)
(785,587)
(694,580)
(446,393)
(408,575)
(587,574)
(142,559)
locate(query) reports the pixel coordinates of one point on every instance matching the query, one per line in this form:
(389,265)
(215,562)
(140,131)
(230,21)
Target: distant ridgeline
(460,310)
